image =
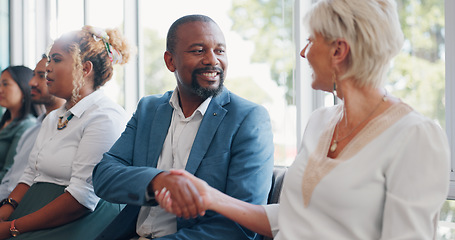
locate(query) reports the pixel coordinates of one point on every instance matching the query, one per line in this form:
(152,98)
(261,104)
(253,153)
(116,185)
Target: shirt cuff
(83,193)
(148,197)
(272,211)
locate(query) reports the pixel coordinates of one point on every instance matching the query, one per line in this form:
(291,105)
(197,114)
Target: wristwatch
(9,201)
(13,230)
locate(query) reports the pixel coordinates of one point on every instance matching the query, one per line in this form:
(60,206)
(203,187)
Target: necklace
(335,142)
(62,124)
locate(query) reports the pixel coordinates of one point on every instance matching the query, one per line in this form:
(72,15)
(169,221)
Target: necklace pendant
(334,146)
(62,124)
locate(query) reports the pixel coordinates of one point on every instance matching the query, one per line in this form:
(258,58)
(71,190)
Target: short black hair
(171,39)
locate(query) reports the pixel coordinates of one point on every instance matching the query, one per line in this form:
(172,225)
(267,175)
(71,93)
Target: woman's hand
(4,230)
(5,211)
(164,197)
(253,217)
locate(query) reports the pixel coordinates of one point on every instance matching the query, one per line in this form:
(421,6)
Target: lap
(87,227)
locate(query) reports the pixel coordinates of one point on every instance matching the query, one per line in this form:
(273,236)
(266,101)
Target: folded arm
(64,209)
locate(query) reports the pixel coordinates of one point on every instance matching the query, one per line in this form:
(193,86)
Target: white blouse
(67,156)
(389,182)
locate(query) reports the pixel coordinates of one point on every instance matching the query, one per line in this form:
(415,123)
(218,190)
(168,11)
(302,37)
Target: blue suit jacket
(232,152)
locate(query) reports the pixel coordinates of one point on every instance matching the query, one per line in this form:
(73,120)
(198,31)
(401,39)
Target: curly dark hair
(83,47)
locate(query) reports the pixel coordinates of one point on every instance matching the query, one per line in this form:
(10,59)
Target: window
(73,15)
(4,33)
(447,218)
(4,39)
(115,19)
(252,73)
(417,75)
(260,50)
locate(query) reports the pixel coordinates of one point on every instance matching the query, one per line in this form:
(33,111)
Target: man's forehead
(41,65)
(200,28)
(200,33)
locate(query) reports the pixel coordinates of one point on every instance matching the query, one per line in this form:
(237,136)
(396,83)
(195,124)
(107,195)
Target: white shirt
(67,157)
(389,182)
(24,147)
(154,221)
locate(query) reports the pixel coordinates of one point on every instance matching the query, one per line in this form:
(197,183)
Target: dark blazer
(232,152)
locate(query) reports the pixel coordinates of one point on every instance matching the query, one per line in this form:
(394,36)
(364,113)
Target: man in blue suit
(201,127)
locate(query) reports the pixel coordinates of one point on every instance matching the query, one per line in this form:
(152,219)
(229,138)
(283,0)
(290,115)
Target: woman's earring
(334,91)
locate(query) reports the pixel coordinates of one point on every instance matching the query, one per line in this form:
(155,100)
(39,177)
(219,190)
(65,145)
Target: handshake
(182,194)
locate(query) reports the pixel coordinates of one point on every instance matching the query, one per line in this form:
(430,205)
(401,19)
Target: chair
(277,183)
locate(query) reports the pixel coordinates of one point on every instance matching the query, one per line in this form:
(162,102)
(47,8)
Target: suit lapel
(158,132)
(209,125)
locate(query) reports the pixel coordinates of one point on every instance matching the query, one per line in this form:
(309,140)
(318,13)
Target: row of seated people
(87,160)
(48,191)
(17,111)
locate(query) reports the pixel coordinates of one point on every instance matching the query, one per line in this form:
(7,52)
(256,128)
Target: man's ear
(340,51)
(87,68)
(169,60)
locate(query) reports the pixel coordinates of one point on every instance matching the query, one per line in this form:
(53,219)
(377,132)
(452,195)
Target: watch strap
(9,201)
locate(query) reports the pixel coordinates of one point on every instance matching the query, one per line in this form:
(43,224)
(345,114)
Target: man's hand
(186,201)
(207,193)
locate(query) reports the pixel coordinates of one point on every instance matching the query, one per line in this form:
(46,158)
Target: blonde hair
(370,27)
(83,46)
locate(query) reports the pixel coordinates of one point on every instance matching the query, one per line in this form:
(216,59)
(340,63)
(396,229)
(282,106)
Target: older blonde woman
(368,168)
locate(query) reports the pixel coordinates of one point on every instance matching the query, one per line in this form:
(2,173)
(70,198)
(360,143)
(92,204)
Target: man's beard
(205,93)
(47,99)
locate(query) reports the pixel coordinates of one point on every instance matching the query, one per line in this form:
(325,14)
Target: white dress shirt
(67,157)
(389,182)
(154,221)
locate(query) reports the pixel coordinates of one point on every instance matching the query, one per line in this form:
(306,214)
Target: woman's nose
(303,52)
